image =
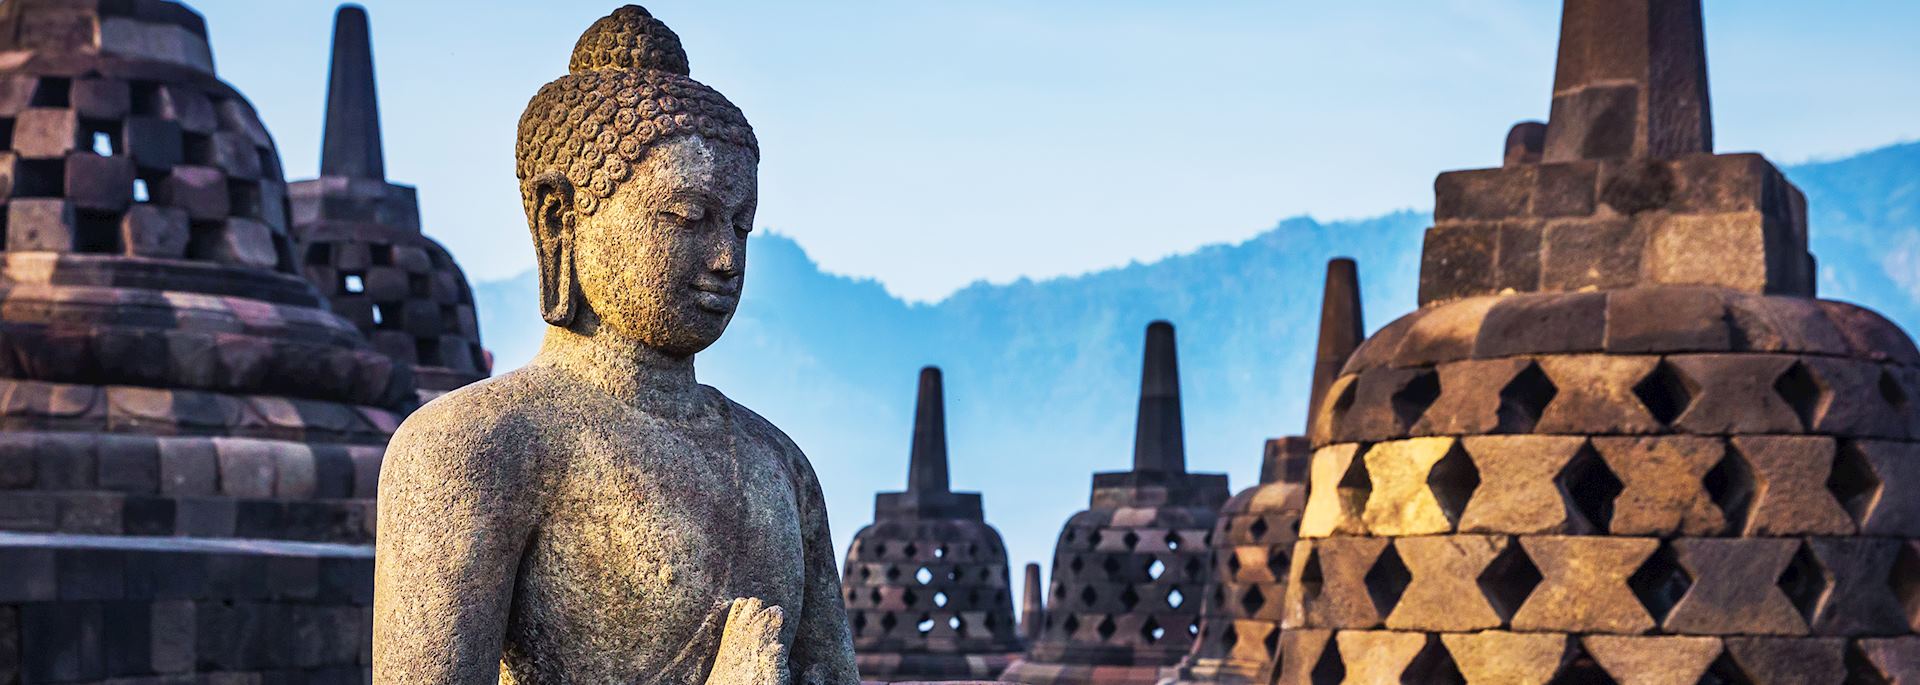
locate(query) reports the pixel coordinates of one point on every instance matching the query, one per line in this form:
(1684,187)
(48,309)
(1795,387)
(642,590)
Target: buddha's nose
(726,257)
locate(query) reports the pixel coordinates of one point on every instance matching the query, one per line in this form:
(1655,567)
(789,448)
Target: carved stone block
(1543,324)
(1858,576)
(1502,657)
(1883,483)
(1330,588)
(1789,661)
(1667,320)
(1595,395)
(1520,492)
(1584,585)
(1443,595)
(1733,590)
(200,191)
(154,231)
(1401,501)
(1378,656)
(1734,393)
(1663,484)
(1789,488)
(1665,660)
(1337,500)
(40,225)
(46,133)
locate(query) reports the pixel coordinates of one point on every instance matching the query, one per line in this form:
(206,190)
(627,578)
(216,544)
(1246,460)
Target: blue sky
(930,144)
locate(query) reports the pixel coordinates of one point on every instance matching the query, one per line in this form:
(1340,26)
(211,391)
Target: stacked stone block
(189,441)
(1633,451)
(1130,572)
(926,583)
(360,241)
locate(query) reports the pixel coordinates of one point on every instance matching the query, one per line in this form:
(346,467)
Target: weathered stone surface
(1584,585)
(1307,656)
(1337,499)
(1790,495)
(1857,575)
(1378,656)
(1663,489)
(1520,490)
(1546,324)
(1330,588)
(1667,320)
(1443,595)
(1884,486)
(1733,588)
(1588,253)
(1401,502)
(1594,394)
(1660,660)
(632,293)
(1502,657)
(1734,393)
(1894,660)
(1784,661)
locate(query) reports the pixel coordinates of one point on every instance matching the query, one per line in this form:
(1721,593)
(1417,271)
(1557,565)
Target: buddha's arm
(454,517)
(823,644)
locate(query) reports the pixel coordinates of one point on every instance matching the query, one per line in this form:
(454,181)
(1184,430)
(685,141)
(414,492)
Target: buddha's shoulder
(767,436)
(502,413)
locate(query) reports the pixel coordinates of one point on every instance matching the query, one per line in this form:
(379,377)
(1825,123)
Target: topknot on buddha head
(630,39)
(627,92)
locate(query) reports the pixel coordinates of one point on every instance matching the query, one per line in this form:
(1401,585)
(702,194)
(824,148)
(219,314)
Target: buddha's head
(640,187)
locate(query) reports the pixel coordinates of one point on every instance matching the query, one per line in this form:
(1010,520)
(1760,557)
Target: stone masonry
(360,241)
(1619,441)
(189,440)
(926,583)
(1130,572)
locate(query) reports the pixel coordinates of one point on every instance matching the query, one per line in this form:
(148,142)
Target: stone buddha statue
(597,516)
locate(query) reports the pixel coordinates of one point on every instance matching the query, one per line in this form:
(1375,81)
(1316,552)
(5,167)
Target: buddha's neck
(623,367)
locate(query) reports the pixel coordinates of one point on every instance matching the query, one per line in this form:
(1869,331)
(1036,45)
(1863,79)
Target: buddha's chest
(653,525)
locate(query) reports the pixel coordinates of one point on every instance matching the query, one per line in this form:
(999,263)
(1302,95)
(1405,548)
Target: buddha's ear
(551,216)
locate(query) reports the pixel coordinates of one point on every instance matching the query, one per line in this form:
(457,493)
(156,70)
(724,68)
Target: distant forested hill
(1042,375)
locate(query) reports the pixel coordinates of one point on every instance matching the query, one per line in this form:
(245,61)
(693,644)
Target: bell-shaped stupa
(1620,440)
(359,237)
(1255,536)
(926,583)
(189,440)
(1129,573)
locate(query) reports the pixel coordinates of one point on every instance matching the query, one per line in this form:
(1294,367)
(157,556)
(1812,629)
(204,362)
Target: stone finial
(927,465)
(1341,329)
(351,146)
(1631,81)
(1525,142)
(1158,443)
(1033,610)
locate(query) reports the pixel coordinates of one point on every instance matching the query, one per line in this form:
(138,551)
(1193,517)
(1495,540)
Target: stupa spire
(927,466)
(1631,81)
(1158,444)
(1341,330)
(352,144)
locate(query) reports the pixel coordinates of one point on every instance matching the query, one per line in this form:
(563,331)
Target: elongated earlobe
(552,220)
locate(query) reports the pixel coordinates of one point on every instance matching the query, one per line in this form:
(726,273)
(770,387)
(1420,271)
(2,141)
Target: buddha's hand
(751,652)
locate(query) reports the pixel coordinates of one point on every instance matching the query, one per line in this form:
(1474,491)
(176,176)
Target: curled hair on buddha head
(626,91)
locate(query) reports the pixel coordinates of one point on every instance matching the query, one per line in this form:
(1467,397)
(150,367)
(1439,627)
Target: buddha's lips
(718,299)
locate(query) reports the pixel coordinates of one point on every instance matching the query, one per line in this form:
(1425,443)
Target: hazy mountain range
(1041,376)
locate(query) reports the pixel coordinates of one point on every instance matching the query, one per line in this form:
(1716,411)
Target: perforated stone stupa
(360,241)
(1255,536)
(189,440)
(1130,572)
(926,583)
(1619,441)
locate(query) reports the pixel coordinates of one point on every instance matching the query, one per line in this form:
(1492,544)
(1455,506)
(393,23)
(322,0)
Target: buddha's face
(663,259)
